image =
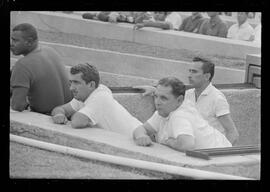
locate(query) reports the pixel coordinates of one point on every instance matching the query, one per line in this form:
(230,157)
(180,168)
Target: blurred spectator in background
(114,17)
(213,26)
(163,20)
(258,31)
(241,30)
(192,23)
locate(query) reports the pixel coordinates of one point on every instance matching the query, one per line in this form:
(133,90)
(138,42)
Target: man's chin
(162,114)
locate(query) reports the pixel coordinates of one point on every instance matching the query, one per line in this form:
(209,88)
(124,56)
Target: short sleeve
(20,76)
(95,106)
(76,105)
(181,126)
(175,19)
(221,106)
(154,121)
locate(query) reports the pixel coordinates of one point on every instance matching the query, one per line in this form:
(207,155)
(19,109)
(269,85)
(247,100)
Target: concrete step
(137,65)
(38,126)
(71,23)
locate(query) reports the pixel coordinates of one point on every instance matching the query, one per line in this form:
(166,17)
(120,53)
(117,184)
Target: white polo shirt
(242,32)
(257,34)
(105,112)
(187,120)
(175,19)
(211,104)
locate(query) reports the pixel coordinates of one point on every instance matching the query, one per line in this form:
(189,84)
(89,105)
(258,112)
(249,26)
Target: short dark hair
(178,87)
(207,67)
(29,31)
(89,72)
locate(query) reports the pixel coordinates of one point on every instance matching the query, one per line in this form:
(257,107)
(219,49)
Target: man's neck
(32,49)
(239,24)
(214,18)
(199,90)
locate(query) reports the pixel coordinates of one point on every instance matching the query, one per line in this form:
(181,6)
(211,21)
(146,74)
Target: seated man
(177,124)
(39,79)
(114,17)
(213,26)
(192,23)
(93,104)
(241,30)
(163,20)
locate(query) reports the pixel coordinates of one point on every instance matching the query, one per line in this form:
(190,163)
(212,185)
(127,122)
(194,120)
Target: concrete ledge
(137,65)
(60,22)
(40,127)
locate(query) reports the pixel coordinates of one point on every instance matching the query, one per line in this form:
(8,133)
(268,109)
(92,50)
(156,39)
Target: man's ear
(207,76)
(92,84)
(180,98)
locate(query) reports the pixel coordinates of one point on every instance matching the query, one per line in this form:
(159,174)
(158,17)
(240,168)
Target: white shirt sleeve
(231,30)
(180,126)
(221,106)
(175,19)
(76,104)
(94,106)
(154,121)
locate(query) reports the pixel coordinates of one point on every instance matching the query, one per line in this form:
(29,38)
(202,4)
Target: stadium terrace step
(38,126)
(137,65)
(71,23)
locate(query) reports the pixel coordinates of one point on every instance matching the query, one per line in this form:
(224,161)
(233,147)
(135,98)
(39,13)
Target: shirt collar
(207,90)
(185,104)
(244,25)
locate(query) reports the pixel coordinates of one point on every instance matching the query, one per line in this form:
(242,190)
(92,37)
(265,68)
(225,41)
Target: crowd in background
(212,25)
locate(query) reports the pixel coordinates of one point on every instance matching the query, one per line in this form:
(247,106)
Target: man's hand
(59,119)
(148,90)
(143,141)
(138,26)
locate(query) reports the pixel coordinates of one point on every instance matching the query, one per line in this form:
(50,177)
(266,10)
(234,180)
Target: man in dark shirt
(38,79)
(214,26)
(192,23)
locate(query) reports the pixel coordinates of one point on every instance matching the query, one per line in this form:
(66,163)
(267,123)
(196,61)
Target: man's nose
(72,88)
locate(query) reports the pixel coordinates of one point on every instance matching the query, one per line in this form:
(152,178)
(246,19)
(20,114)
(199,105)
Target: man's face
(79,88)
(241,17)
(165,101)
(212,14)
(196,76)
(19,45)
(160,16)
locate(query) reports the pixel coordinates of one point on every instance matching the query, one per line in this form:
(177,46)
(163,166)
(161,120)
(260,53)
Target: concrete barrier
(137,65)
(60,22)
(38,126)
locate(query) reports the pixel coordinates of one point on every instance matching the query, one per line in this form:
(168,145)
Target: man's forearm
(232,136)
(58,110)
(157,24)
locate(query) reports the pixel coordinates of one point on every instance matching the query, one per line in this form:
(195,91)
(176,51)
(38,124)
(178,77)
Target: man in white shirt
(242,30)
(177,124)
(163,20)
(258,32)
(93,104)
(209,101)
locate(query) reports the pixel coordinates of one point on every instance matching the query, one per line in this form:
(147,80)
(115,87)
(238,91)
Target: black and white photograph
(135,95)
